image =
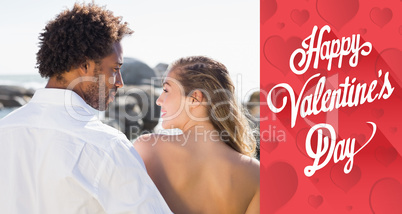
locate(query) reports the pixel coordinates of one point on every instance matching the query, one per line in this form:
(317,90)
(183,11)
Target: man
(56,156)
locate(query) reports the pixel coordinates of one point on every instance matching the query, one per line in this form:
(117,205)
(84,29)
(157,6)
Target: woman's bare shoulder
(146,140)
(148,145)
(251,170)
(246,171)
(251,167)
(245,168)
(152,143)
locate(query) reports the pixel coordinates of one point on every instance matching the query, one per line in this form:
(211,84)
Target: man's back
(57,157)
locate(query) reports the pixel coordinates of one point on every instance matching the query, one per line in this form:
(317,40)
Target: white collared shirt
(57,157)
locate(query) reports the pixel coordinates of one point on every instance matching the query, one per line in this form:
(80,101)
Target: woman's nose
(159,100)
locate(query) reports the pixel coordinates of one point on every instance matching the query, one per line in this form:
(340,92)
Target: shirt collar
(64,97)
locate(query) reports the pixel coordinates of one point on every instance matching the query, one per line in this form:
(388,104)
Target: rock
(161,68)
(135,72)
(146,96)
(253,107)
(13,90)
(124,114)
(135,110)
(253,104)
(14,96)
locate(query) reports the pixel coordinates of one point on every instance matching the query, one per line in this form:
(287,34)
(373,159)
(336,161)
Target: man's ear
(83,68)
(86,67)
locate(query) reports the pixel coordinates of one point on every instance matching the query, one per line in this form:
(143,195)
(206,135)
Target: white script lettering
(345,149)
(328,50)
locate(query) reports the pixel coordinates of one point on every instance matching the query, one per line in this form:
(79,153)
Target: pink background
(375,182)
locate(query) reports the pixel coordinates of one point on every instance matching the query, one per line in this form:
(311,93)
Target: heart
(380,17)
(393,130)
(386,155)
(390,60)
(267,9)
(331,10)
(301,141)
(281,185)
(299,17)
(315,201)
(377,113)
(363,31)
(360,138)
(314,180)
(267,144)
(277,52)
(280,25)
(342,180)
(400,30)
(349,110)
(386,196)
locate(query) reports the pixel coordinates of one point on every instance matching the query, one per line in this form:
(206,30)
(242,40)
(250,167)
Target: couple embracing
(57,157)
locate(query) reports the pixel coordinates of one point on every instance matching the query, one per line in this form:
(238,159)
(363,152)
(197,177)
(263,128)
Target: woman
(210,167)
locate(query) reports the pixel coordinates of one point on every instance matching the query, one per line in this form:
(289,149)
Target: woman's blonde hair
(213,80)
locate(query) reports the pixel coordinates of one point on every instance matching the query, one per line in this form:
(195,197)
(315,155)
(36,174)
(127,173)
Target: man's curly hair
(86,32)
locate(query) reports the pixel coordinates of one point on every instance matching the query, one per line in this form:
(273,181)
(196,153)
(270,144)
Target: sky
(225,30)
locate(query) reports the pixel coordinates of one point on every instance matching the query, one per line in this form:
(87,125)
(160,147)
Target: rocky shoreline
(14,96)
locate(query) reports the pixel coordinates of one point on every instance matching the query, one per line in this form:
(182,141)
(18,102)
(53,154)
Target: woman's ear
(196,98)
(197,106)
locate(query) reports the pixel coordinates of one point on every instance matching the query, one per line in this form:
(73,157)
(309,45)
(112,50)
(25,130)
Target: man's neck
(68,82)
